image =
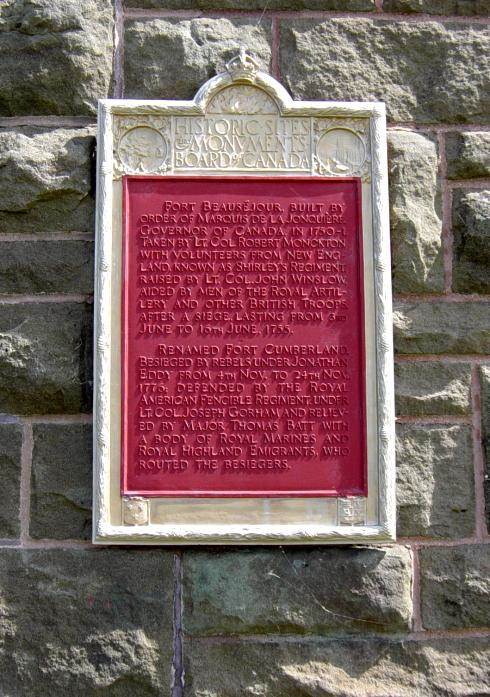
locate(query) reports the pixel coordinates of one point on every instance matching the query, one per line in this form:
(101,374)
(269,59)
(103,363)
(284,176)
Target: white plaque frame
(145,137)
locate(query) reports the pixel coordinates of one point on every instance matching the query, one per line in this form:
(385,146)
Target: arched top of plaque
(243,120)
(242,89)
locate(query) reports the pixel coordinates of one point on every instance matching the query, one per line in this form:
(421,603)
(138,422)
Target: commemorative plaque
(244,389)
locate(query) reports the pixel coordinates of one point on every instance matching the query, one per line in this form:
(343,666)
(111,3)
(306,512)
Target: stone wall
(401,620)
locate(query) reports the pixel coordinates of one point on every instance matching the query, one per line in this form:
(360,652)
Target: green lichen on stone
(284,591)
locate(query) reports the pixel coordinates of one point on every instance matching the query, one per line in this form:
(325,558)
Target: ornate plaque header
(243,357)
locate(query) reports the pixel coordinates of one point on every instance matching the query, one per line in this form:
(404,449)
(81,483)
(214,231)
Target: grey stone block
(439,74)
(438,7)
(435,481)
(370,667)
(432,389)
(468,154)
(455,586)
(439,327)
(56,56)
(45,358)
(251,5)
(485,409)
(10,454)
(415,213)
(47,266)
(471,227)
(45,179)
(61,482)
(297,591)
(86,622)
(171,58)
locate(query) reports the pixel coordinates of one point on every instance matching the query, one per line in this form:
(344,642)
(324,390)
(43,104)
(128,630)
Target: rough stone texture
(170,59)
(250,5)
(85,622)
(56,56)
(61,481)
(10,453)
(45,358)
(471,228)
(432,389)
(415,215)
(364,59)
(46,179)
(257,621)
(455,586)
(435,481)
(57,266)
(340,668)
(485,409)
(284,591)
(438,7)
(439,327)
(468,154)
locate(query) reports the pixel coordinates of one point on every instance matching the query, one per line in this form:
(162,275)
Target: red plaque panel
(243,341)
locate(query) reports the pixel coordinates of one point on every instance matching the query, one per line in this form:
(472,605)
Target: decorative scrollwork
(342,148)
(141,145)
(352,511)
(242,99)
(135,511)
